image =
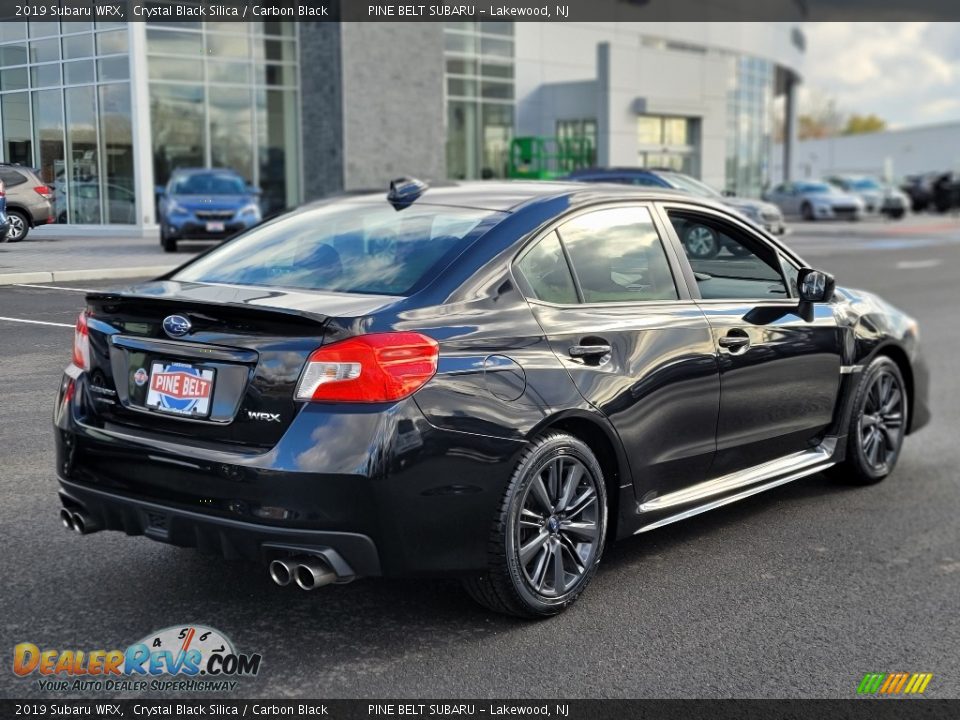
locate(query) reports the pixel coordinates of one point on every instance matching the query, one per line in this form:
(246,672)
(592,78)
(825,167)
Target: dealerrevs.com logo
(178,659)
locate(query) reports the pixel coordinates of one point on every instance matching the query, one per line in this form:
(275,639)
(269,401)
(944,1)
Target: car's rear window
(347,247)
(208,184)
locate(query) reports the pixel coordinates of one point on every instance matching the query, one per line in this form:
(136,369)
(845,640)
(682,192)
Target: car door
(779,362)
(635,344)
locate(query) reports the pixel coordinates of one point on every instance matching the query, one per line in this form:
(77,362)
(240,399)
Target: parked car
(29,201)
(488,380)
(919,188)
(121,203)
(815,201)
(877,197)
(205,204)
(946,192)
(4,222)
(764,214)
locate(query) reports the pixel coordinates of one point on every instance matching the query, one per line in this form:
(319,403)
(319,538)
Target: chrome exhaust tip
(313,573)
(83,523)
(281,572)
(66,518)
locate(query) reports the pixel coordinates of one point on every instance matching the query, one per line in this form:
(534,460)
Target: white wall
(904,152)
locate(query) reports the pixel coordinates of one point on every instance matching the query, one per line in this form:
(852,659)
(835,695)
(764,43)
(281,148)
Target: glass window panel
(467,26)
(115,68)
(43,29)
(497,28)
(228,72)
(78,195)
(460,43)
(13,54)
(177,125)
(44,50)
(499,70)
(497,90)
(12,30)
(173,69)
(116,142)
(546,272)
(497,131)
(112,42)
(231,129)
(281,50)
(174,43)
(675,131)
(280,74)
(462,139)
(15,79)
(78,72)
(649,130)
(77,46)
(618,257)
(17,134)
(48,127)
(456,86)
(44,75)
(74,27)
(284,29)
(228,45)
(496,48)
(278,148)
(461,66)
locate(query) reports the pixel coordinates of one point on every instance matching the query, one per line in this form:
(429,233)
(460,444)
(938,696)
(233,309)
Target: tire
(526,585)
(701,242)
(868,462)
(169,244)
(807,211)
(19,226)
(896,214)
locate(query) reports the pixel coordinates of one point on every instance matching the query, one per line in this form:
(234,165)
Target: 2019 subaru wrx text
(488,380)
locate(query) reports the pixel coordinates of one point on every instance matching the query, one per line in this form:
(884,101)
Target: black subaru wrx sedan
(488,380)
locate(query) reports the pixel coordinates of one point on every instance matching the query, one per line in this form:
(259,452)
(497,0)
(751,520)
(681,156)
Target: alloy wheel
(881,425)
(557,533)
(15,233)
(701,242)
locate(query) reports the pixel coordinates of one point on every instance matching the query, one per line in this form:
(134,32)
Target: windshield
(816,188)
(690,185)
(208,184)
(865,184)
(346,247)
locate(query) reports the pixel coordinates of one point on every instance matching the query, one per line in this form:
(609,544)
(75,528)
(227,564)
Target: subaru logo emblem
(176,325)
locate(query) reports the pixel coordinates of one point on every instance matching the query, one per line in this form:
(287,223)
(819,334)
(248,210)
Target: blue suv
(204,204)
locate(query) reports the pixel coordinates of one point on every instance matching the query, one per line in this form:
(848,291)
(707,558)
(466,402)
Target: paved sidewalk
(46,256)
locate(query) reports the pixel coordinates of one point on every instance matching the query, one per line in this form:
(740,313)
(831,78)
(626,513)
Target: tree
(861,124)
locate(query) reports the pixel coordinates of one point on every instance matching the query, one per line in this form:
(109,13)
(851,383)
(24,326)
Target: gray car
(28,201)
(878,197)
(815,200)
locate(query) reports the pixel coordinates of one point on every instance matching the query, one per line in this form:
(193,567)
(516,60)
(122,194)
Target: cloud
(907,73)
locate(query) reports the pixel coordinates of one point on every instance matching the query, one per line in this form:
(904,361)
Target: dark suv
(28,201)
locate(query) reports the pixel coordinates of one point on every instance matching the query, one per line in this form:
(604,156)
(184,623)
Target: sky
(906,73)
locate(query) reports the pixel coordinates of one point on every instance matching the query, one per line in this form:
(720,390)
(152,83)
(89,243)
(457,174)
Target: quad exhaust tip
(78,521)
(66,517)
(309,573)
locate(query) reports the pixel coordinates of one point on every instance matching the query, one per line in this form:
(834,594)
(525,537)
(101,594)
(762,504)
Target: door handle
(735,341)
(589,351)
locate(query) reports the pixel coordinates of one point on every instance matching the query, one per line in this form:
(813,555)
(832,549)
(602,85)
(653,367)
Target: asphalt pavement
(797,592)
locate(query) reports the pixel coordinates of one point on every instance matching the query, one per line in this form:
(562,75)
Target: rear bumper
(197,229)
(382,487)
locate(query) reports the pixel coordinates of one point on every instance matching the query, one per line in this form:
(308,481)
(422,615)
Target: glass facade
(669,142)
(226,95)
(479,64)
(65,109)
(749,125)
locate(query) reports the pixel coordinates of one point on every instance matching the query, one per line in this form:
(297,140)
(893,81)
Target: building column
(789,126)
(142,137)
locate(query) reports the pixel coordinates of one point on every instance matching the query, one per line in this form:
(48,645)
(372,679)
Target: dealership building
(107,110)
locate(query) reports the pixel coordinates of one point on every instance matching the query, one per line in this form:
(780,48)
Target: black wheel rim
(558,530)
(880,428)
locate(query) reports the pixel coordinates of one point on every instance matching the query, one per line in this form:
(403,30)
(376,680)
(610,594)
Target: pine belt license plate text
(180,388)
(215,227)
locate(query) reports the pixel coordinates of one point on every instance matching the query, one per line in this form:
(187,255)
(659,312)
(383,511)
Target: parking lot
(793,593)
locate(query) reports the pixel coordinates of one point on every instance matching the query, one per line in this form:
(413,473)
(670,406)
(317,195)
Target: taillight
(380,367)
(3,189)
(81,343)
(43,190)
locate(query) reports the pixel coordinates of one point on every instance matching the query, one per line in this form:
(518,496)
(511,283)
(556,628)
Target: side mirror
(815,286)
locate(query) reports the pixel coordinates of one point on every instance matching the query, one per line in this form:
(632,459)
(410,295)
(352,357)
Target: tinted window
(728,263)
(12,178)
(208,184)
(346,247)
(617,256)
(547,275)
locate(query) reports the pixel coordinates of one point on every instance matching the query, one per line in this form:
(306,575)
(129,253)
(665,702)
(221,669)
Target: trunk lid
(224,372)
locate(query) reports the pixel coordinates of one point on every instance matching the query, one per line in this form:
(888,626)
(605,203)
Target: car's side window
(617,256)
(728,263)
(544,270)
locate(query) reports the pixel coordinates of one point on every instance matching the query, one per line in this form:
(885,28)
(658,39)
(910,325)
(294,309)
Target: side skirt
(752,481)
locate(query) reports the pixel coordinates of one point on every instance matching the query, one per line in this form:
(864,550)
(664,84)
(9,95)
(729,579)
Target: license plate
(215,227)
(180,389)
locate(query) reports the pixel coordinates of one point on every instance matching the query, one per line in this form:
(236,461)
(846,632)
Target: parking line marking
(52,287)
(36,322)
(917,264)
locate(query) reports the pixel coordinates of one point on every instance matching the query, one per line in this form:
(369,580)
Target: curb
(91,274)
